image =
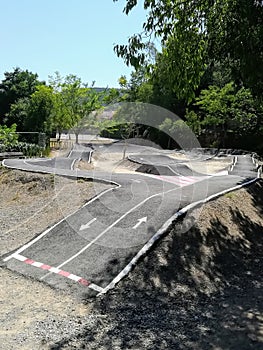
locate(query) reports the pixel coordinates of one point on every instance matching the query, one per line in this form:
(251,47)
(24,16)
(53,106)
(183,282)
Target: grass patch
(230,195)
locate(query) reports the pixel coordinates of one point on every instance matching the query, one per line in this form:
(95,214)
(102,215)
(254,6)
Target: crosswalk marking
(180,181)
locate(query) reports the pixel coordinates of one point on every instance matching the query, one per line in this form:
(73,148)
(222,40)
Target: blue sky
(69,36)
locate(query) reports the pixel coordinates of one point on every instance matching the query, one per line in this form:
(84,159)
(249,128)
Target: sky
(68,36)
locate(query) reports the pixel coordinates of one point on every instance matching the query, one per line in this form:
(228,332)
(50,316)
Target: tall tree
(16,85)
(74,104)
(41,105)
(193,31)
(19,112)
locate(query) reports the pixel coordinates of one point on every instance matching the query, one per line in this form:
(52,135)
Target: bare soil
(199,288)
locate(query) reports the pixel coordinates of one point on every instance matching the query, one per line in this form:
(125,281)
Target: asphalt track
(85,251)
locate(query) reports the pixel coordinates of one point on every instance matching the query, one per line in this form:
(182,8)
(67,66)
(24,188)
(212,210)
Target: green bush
(28,149)
(8,136)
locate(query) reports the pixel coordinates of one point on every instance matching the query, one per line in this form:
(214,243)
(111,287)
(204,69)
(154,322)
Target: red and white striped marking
(180,181)
(60,272)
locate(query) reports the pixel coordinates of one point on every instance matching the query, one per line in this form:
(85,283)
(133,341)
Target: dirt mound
(34,181)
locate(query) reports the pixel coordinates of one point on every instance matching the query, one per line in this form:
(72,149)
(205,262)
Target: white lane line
(70,153)
(173,171)
(90,155)
(73,163)
(20,250)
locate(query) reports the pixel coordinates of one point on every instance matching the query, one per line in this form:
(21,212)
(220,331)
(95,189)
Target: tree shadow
(197,289)
(256,193)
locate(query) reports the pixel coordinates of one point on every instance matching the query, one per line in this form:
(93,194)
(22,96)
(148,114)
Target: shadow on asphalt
(196,290)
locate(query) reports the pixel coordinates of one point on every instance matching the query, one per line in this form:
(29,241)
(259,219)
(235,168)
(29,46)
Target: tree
(74,104)
(17,85)
(192,32)
(40,108)
(110,96)
(139,87)
(177,131)
(247,114)
(19,112)
(226,110)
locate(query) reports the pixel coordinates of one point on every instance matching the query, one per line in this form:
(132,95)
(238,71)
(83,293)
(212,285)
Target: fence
(60,144)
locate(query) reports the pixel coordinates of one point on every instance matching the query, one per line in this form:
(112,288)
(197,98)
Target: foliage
(224,110)
(247,113)
(180,65)
(139,88)
(215,103)
(32,113)
(74,103)
(193,121)
(111,96)
(194,32)
(18,112)
(17,85)
(8,136)
(40,107)
(178,132)
(228,106)
(28,149)
(9,143)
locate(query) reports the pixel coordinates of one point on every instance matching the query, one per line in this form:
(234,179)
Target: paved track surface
(87,250)
(243,166)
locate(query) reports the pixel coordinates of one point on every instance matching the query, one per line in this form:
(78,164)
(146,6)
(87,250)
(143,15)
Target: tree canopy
(197,33)
(18,84)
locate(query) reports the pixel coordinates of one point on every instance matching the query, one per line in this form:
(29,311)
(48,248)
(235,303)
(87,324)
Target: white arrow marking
(140,221)
(84,227)
(137,181)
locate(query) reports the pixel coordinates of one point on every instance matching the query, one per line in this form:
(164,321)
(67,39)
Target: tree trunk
(77,137)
